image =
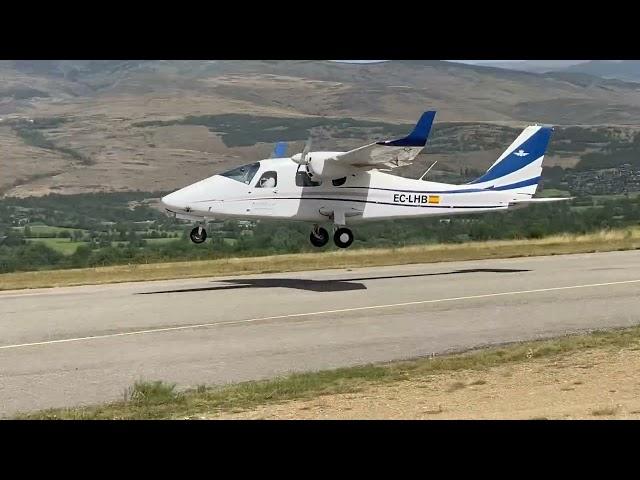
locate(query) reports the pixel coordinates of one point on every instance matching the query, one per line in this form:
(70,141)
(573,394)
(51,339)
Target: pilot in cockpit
(268,181)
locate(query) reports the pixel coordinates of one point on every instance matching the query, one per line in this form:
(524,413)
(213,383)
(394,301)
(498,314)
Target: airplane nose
(187,198)
(172,201)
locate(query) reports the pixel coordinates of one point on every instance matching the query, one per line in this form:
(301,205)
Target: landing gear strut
(198,234)
(343,237)
(319,236)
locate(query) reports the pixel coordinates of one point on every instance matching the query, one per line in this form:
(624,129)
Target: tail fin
(280,150)
(418,137)
(520,166)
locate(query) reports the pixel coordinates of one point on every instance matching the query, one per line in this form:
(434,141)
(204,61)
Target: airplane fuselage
(289,193)
(349,187)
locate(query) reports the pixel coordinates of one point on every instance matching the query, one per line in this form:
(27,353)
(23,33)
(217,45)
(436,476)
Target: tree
(13,239)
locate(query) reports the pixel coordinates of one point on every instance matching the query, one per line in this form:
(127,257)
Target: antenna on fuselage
(428,169)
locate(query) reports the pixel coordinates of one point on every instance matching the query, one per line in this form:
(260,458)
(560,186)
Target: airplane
(347,188)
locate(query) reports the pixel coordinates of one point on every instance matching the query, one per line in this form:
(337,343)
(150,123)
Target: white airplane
(345,188)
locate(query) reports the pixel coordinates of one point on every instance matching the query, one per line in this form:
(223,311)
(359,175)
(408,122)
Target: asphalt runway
(81,345)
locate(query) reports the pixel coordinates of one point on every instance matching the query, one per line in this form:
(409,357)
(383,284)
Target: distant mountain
(153,125)
(628,70)
(534,66)
(621,69)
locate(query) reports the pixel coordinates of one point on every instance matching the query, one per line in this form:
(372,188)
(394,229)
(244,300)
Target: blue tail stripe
(417,138)
(523,183)
(526,153)
(280,150)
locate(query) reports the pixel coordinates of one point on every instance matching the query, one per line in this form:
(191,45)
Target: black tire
(343,237)
(195,238)
(319,238)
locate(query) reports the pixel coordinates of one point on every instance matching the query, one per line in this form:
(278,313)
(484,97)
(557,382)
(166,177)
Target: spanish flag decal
(434,199)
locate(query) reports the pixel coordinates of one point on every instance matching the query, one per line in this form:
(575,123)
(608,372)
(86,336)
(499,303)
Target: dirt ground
(596,384)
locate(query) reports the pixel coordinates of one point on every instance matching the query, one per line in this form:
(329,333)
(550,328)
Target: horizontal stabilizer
(542,200)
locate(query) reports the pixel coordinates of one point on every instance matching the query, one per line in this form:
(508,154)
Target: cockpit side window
(244,173)
(303,179)
(268,180)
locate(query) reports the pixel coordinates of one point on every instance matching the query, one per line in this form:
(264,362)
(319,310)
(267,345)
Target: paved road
(69,346)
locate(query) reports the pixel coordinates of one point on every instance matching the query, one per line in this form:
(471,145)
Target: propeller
(301,158)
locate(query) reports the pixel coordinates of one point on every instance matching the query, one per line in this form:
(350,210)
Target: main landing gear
(343,237)
(198,234)
(319,237)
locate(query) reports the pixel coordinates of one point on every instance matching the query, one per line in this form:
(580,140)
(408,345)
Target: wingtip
(418,136)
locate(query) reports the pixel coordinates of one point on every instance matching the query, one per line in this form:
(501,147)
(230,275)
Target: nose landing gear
(198,234)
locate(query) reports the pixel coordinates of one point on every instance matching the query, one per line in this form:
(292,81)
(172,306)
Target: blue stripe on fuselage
(523,183)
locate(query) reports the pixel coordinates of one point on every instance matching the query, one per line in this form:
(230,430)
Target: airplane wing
(388,154)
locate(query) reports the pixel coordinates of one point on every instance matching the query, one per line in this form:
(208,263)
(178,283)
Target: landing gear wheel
(343,237)
(198,235)
(319,237)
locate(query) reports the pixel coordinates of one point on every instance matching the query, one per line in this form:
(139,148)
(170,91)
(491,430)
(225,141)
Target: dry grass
(604,411)
(479,382)
(555,245)
(456,386)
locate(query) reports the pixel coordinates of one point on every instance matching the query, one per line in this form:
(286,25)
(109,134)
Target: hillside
(625,70)
(83,126)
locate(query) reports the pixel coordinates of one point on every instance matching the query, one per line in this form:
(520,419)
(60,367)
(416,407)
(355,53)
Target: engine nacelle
(328,169)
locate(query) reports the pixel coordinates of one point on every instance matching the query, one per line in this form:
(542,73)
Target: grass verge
(604,241)
(157,400)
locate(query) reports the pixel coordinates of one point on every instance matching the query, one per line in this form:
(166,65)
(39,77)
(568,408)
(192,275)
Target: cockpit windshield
(244,173)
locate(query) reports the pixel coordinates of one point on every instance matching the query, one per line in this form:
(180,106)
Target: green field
(148,241)
(62,245)
(604,241)
(161,241)
(600,198)
(158,241)
(68,247)
(553,192)
(39,229)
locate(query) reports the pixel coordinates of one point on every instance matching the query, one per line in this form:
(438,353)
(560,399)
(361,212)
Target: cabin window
(303,179)
(268,180)
(244,173)
(339,181)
